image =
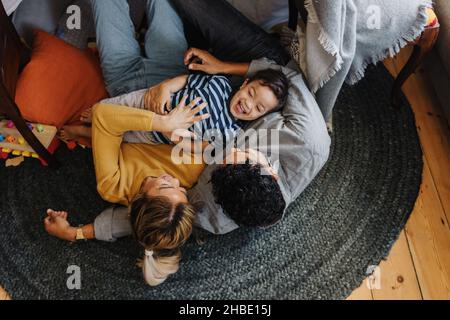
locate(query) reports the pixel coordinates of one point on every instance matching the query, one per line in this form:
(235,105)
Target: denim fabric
(230,36)
(125,67)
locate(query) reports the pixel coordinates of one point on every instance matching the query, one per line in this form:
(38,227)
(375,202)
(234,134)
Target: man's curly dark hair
(247,196)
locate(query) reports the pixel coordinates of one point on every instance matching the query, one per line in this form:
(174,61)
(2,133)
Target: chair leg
(13,113)
(421,48)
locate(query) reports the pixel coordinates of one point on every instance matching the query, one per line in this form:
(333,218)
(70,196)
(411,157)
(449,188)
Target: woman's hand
(182,117)
(200,60)
(158,99)
(56,224)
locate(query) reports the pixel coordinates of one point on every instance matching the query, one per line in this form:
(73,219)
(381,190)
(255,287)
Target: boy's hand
(184,116)
(200,60)
(158,98)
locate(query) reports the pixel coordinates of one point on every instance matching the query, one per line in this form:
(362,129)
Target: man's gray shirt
(303,150)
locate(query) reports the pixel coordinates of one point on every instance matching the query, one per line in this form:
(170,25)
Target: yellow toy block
(26,154)
(17,153)
(35,155)
(6,150)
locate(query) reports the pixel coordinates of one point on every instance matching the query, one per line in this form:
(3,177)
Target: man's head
(161,216)
(266,92)
(249,192)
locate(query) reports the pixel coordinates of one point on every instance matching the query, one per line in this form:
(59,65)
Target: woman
(139,176)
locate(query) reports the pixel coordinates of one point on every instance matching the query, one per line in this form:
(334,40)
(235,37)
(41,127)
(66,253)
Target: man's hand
(158,99)
(200,60)
(56,224)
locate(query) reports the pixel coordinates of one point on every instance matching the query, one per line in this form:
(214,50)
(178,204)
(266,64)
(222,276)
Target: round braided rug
(345,222)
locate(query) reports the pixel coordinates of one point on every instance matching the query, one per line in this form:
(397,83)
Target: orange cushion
(59,82)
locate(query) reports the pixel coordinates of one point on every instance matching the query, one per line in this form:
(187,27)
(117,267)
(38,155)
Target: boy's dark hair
(277,82)
(247,196)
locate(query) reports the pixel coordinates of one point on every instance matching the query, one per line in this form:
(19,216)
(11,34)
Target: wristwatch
(80,235)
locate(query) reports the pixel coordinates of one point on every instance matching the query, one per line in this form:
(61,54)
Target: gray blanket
(344,36)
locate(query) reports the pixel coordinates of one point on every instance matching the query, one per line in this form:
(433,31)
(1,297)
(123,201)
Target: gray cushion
(443,45)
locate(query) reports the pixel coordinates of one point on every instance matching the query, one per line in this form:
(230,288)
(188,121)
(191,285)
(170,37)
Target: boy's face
(253,101)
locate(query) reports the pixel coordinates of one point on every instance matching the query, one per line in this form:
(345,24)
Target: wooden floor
(418,266)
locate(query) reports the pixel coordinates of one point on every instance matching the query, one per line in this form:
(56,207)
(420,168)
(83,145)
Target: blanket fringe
(354,77)
(412,34)
(328,45)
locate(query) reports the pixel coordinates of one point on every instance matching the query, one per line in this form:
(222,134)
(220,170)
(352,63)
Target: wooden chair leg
(12,112)
(422,47)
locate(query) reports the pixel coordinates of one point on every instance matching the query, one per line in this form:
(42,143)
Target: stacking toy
(2,138)
(10,139)
(10,124)
(40,128)
(21,140)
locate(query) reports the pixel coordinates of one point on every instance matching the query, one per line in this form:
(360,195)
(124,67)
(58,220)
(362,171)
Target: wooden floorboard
(3,294)
(397,279)
(433,127)
(428,236)
(362,293)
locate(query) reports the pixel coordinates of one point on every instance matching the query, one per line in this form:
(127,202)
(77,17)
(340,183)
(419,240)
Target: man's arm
(200,60)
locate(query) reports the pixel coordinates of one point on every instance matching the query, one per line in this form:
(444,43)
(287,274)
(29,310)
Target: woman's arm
(200,60)
(109,123)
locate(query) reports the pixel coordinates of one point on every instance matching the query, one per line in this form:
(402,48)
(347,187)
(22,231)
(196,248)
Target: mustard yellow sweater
(121,168)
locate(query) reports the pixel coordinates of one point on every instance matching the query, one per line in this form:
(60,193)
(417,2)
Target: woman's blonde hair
(161,226)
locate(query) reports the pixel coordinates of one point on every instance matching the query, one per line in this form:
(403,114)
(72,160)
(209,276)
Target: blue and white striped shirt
(217,92)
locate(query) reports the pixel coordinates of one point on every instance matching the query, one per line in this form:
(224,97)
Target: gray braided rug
(346,221)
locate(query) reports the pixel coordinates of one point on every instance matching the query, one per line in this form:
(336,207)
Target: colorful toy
(12,142)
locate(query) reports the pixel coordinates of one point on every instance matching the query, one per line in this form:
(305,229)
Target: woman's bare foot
(68,133)
(86,116)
